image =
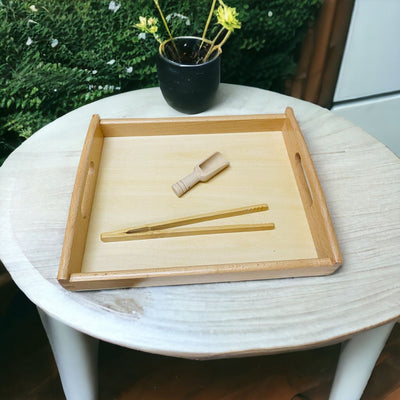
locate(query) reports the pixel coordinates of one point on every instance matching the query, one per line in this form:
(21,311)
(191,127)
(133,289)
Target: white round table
(360,178)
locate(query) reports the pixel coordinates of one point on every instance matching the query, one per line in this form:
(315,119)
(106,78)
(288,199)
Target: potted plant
(188,67)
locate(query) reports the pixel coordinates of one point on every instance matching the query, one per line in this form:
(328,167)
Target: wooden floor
(28,370)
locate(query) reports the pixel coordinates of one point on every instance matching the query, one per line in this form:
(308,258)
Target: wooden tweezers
(163,229)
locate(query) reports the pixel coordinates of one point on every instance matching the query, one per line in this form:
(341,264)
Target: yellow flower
(142,24)
(152,24)
(227,17)
(153,30)
(147,25)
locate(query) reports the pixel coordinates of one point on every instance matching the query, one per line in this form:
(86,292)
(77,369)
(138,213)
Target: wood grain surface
(135,188)
(360,178)
(133,184)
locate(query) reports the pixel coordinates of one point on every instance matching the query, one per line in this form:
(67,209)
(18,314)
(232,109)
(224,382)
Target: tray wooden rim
(329,257)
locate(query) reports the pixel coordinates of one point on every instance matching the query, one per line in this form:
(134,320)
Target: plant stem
(214,47)
(208,22)
(224,39)
(166,27)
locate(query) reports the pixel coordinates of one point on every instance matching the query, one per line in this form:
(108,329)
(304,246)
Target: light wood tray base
(124,179)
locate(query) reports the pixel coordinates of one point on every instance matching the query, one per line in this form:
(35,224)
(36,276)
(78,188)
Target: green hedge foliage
(59,55)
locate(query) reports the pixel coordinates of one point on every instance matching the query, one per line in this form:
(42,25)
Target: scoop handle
(186,183)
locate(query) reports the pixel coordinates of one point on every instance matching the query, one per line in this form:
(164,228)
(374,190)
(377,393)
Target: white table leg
(357,361)
(76,358)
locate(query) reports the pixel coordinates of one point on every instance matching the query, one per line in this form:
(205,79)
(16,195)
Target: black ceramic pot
(188,88)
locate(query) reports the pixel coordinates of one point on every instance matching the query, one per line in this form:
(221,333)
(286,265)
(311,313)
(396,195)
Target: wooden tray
(124,179)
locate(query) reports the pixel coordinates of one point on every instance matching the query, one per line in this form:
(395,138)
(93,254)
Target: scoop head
(202,172)
(211,166)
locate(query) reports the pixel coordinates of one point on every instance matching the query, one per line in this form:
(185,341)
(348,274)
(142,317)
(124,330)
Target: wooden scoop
(202,172)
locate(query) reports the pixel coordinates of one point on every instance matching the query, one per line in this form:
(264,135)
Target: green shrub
(59,55)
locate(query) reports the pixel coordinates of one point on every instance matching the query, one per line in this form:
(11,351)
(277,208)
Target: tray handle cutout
(304,182)
(311,192)
(81,203)
(86,203)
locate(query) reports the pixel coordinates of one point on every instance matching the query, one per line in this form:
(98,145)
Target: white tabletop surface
(360,178)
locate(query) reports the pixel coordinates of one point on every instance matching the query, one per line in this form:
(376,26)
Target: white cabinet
(368,87)
(378,116)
